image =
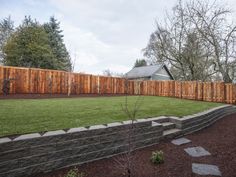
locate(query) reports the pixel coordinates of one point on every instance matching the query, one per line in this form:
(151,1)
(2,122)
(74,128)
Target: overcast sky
(102,34)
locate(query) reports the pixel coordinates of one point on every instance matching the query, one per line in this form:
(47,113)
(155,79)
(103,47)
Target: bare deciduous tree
(70,83)
(197,41)
(109,73)
(212,22)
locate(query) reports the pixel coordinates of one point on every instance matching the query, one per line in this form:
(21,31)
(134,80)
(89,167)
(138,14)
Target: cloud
(119,68)
(100,31)
(102,34)
(109,33)
(94,55)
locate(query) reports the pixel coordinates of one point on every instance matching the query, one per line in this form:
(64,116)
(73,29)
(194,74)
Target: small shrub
(74,173)
(157,157)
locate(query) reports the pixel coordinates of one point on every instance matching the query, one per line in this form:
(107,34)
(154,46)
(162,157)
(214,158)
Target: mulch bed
(44,96)
(219,139)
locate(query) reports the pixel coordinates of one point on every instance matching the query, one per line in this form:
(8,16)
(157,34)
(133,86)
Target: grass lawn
(37,115)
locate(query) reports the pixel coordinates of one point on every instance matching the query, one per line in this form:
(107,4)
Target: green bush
(74,173)
(157,157)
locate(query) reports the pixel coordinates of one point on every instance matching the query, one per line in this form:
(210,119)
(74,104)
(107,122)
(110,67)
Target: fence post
(212,91)
(196,91)
(98,84)
(225,93)
(69,84)
(181,89)
(202,91)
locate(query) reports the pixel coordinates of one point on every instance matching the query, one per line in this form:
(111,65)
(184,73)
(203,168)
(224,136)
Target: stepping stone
(205,169)
(197,151)
(180,141)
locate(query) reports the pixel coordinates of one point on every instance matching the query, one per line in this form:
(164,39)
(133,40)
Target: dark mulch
(43,96)
(219,139)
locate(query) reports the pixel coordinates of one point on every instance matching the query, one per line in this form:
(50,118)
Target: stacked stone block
(34,153)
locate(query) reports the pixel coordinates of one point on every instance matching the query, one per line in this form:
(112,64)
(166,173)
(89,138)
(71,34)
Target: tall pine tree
(140,62)
(6,29)
(56,42)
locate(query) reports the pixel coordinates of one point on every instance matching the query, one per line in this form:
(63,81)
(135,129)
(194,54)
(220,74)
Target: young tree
(126,162)
(6,29)
(56,43)
(29,46)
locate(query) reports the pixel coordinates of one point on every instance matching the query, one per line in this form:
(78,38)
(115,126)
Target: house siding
(154,72)
(156,77)
(161,74)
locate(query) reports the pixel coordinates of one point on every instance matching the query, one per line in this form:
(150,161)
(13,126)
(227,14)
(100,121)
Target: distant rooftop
(143,71)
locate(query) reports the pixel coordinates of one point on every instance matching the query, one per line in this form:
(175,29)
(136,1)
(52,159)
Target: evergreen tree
(29,46)
(140,62)
(56,42)
(6,29)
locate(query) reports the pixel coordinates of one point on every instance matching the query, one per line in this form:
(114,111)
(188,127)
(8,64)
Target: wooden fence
(41,81)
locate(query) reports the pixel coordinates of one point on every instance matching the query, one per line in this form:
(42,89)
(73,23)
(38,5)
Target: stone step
(168,125)
(171,133)
(161,119)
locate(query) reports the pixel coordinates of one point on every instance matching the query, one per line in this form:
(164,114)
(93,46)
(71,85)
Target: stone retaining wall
(195,122)
(34,153)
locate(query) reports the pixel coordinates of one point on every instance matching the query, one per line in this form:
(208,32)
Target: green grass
(38,115)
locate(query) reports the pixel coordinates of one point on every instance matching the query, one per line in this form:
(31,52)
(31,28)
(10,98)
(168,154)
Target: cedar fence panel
(41,81)
(177,89)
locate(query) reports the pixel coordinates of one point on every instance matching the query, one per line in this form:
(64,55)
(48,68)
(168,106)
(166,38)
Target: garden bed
(219,139)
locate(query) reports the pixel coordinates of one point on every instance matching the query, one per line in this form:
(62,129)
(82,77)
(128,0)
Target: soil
(45,96)
(219,139)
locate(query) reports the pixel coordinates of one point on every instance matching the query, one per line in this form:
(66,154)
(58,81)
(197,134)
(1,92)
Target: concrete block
(78,129)
(27,136)
(197,151)
(159,119)
(114,124)
(136,124)
(5,140)
(142,120)
(97,127)
(171,133)
(155,124)
(180,141)
(168,125)
(53,133)
(205,169)
(128,122)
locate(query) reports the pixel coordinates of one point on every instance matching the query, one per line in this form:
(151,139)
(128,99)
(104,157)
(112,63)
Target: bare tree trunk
(127,162)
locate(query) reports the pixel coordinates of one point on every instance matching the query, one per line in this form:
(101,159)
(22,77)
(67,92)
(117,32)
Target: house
(153,72)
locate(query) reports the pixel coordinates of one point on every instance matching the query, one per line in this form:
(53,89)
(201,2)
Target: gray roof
(143,71)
